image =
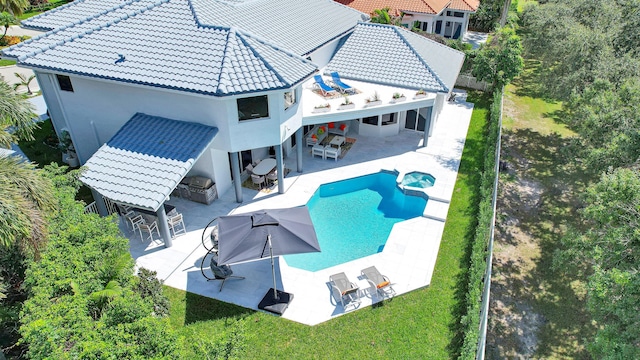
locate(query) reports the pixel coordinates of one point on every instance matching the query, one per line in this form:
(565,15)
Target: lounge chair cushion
(343,126)
(382,284)
(332,125)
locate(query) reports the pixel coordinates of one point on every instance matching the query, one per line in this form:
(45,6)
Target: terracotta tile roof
(465,5)
(418,6)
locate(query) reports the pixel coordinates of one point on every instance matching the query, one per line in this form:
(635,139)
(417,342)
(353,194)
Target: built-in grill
(197,188)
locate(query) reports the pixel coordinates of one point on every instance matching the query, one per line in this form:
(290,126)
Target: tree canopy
(499,60)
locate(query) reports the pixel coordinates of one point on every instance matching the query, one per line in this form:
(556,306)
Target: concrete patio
(408,258)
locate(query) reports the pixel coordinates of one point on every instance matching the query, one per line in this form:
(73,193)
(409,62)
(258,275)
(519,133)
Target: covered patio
(408,257)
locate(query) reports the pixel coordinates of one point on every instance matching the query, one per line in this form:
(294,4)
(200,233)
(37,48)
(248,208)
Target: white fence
(93,208)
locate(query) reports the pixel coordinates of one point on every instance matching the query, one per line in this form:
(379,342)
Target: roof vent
(120,59)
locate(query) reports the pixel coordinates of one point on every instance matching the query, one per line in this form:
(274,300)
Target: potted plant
(347,104)
(397,97)
(322,108)
(65,145)
(374,100)
(420,94)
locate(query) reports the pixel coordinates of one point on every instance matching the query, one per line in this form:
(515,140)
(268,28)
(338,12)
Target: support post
(163,226)
(299,148)
(280,168)
(102,207)
(237,180)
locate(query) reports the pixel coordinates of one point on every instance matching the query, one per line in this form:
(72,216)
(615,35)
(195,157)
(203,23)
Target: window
(388,119)
(289,99)
(458,14)
(65,83)
(253,108)
(449,13)
(371,120)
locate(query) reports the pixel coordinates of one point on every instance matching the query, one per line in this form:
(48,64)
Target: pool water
(353,219)
(418,180)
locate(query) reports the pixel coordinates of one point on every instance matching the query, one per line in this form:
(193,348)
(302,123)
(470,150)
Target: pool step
(436,209)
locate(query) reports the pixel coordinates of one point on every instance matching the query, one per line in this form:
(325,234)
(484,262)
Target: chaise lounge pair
(349,292)
(337,82)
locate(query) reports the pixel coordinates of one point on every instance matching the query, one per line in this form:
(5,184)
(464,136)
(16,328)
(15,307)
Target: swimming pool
(353,218)
(418,180)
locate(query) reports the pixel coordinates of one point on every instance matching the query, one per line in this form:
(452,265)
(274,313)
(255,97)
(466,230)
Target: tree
(382,16)
(499,60)
(579,42)
(24,81)
(486,17)
(14,7)
(610,244)
(6,20)
(608,121)
(24,193)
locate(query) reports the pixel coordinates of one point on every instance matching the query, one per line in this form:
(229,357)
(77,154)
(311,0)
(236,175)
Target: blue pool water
(353,219)
(418,180)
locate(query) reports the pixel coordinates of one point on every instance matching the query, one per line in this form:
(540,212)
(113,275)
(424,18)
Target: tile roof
(146,159)
(161,44)
(396,7)
(299,26)
(391,55)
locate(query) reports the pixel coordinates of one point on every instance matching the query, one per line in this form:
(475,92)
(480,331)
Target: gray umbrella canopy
(244,237)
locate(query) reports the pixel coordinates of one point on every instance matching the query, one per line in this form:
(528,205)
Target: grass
(4,62)
(423,324)
(36,11)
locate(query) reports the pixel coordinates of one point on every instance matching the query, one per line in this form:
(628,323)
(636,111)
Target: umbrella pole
(273,268)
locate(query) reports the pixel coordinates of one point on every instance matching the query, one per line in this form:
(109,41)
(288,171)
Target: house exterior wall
(430,21)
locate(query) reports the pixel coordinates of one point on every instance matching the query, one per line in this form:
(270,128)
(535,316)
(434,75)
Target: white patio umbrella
(267,233)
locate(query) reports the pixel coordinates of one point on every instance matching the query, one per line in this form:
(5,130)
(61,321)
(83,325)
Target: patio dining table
(150,216)
(264,167)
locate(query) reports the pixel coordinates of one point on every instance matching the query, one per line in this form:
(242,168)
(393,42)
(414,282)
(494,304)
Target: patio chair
(149,228)
(324,88)
(317,150)
(272,176)
(349,293)
(335,77)
(133,219)
(221,272)
(379,282)
(257,180)
(331,152)
(249,168)
(174,222)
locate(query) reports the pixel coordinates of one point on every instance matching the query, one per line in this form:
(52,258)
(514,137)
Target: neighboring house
(155,90)
(447,18)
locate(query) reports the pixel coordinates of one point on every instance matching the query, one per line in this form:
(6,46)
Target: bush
(84,300)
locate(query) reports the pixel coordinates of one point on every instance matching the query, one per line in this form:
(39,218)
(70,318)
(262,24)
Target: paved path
(8,72)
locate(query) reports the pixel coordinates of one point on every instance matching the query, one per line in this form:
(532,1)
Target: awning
(146,159)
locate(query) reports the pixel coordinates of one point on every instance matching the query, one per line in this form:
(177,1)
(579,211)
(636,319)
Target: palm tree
(24,193)
(6,20)
(24,81)
(14,7)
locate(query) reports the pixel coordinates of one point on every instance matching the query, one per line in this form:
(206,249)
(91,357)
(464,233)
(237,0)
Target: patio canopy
(146,159)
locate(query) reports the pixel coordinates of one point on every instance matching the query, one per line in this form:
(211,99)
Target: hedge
(478,261)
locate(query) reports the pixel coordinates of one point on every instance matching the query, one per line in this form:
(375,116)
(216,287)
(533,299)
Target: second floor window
(65,83)
(289,99)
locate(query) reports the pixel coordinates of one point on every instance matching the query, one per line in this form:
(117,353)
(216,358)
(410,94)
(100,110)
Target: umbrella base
(276,306)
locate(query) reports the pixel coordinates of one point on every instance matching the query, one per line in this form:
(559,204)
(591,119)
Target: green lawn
(4,62)
(423,324)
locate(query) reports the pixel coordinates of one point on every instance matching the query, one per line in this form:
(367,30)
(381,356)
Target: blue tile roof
(162,45)
(146,159)
(391,55)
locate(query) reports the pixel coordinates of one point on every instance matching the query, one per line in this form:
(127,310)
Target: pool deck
(409,255)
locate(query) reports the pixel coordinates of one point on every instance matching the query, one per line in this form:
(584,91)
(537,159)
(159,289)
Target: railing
(93,207)
(484,307)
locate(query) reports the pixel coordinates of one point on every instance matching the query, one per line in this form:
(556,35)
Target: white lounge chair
(317,150)
(379,282)
(331,152)
(347,292)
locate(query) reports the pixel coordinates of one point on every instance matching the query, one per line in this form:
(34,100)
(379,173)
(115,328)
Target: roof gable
(383,54)
(214,61)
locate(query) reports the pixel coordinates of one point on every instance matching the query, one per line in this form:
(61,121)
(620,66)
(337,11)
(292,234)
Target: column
(299,147)
(237,180)
(163,226)
(280,168)
(102,207)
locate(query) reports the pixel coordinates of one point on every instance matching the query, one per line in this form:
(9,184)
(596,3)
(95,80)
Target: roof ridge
(224,58)
(259,56)
(88,31)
